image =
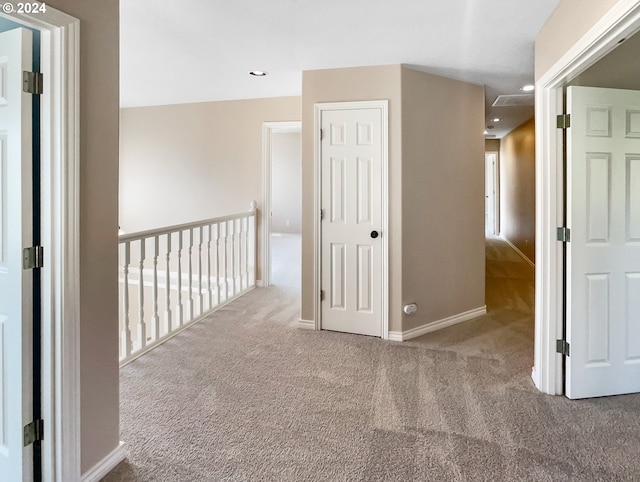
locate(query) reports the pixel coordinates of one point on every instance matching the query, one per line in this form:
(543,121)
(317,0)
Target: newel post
(254,209)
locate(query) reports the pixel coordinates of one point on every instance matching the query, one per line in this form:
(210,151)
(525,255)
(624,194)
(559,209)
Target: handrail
(173,276)
(181,227)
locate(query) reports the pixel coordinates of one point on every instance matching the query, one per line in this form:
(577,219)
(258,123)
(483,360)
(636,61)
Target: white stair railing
(172,277)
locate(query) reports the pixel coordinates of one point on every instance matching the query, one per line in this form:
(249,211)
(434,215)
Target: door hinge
(563,234)
(32,82)
(321,295)
(562,347)
(563,121)
(321,134)
(33,432)
(33,257)
(321,214)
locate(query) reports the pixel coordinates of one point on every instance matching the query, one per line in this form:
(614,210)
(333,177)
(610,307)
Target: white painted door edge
(620,22)
(60,55)
(317,179)
(268,129)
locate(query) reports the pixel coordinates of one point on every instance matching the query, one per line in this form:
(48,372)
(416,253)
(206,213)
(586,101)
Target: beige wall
(99,102)
(568,23)
(187,162)
(430,164)
(344,85)
(518,188)
(492,145)
(285,183)
(442,197)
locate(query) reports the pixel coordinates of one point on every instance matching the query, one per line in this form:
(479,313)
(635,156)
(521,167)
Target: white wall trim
(621,21)
(383,105)
(60,141)
(106,465)
(307,324)
(515,248)
(437,325)
(268,129)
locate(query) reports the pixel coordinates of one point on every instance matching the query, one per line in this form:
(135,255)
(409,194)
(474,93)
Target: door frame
(496,191)
(620,22)
(268,129)
(383,106)
(60,55)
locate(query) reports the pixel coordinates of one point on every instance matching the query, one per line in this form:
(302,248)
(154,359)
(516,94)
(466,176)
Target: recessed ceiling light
(489,127)
(496,119)
(528,88)
(258,73)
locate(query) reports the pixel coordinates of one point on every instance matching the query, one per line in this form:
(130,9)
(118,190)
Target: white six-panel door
(603,256)
(351,200)
(15,234)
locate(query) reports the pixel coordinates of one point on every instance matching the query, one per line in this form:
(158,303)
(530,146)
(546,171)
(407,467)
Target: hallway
(244,395)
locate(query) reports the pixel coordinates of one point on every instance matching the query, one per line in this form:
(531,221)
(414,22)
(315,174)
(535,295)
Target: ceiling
(202,50)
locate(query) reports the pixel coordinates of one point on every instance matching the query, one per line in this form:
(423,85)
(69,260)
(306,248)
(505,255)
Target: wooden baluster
(179,310)
(125,337)
(142,328)
(200,297)
(230,277)
(167,313)
(209,290)
(218,236)
(238,263)
(226,264)
(156,318)
(246,252)
(190,275)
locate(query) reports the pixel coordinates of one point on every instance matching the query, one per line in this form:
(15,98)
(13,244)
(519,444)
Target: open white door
(15,234)
(352,222)
(603,255)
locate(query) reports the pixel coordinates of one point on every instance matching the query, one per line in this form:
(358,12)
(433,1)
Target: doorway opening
(491,191)
(282,210)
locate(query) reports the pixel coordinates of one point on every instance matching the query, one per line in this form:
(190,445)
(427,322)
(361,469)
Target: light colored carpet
(244,396)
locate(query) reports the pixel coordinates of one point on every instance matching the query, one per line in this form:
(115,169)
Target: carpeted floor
(244,395)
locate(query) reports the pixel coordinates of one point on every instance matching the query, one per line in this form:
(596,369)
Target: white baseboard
(106,465)
(259,283)
(437,325)
(522,255)
(307,324)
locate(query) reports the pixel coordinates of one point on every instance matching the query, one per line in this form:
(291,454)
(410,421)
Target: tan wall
(99,105)
(518,188)
(492,145)
(344,85)
(568,23)
(442,196)
(285,183)
(187,162)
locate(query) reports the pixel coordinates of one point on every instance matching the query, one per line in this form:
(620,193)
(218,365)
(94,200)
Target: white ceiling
(201,50)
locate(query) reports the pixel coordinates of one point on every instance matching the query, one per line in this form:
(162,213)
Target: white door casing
(16,286)
(603,256)
(352,161)
(620,22)
(60,147)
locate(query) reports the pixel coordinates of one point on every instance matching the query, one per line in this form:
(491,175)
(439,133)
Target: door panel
(15,234)
(603,256)
(351,165)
